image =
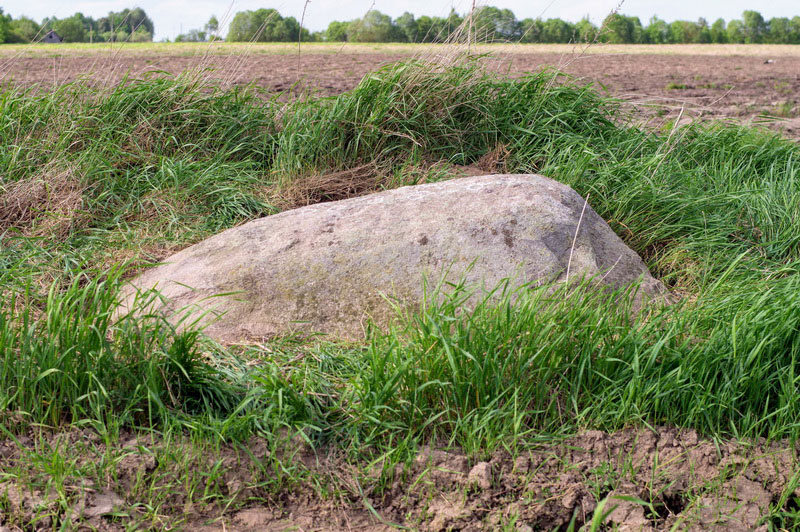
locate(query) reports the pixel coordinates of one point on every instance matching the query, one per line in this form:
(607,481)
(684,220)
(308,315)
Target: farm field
(576,414)
(746,83)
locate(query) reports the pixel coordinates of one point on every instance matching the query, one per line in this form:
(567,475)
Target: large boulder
(328,267)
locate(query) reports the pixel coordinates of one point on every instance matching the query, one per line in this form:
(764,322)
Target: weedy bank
(96,185)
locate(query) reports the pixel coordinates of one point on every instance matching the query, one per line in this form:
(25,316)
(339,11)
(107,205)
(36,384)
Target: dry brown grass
(494,161)
(333,186)
(21,51)
(45,205)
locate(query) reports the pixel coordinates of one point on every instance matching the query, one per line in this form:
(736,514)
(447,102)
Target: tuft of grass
(75,358)
(539,361)
(786,109)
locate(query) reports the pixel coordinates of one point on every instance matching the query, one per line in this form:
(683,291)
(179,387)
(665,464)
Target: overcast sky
(174,16)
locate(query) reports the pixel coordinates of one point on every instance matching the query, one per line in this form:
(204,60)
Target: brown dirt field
(747,87)
(667,479)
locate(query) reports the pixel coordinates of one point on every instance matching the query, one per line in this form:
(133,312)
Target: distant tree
(90,28)
(407,27)
(427,29)
(5,26)
(754,26)
(657,31)
(449,25)
(719,34)
(618,29)
(71,29)
(684,32)
(115,36)
(638,30)
(141,36)
(374,27)
(212,26)
(437,29)
(191,36)
(493,24)
(676,32)
(794,30)
(77,28)
(93,34)
(138,21)
(23,30)
(779,31)
(454,20)
(105,24)
(585,31)
(264,25)
(489,24)
(555,30)
(531,30)
(337,31)
(735,32)
(292,30)
(705,32)
(118,26)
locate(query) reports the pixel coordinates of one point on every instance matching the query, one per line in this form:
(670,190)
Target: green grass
(151,165)
(711,208)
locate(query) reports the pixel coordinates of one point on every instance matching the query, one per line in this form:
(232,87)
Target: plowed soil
(749,87)
(666,479)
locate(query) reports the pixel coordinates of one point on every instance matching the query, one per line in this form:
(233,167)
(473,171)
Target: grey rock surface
(327,267)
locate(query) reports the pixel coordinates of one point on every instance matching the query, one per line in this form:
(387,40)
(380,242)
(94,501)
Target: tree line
(132,25)
(488,24)
(492,24)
